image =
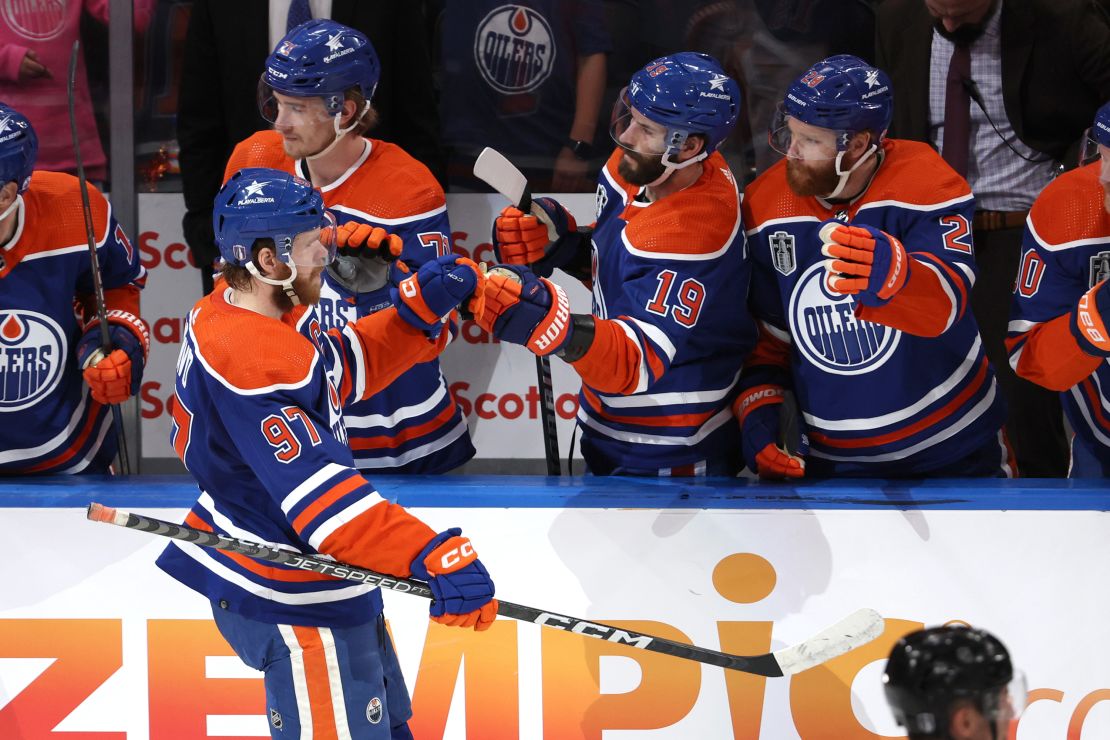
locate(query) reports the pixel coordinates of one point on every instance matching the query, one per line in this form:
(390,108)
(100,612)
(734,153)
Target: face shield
(797,140)
(1010,703)
(289,110)
(636,133)
(313,248)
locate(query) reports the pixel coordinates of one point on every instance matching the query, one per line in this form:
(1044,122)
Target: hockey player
(953,683)
(56,384)
(862,266)
(257,419)
(1058,327)
(316,90)
(660,354)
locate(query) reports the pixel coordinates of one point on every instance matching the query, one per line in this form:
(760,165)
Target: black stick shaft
(761,665)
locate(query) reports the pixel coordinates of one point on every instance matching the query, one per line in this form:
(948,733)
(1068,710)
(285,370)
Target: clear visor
(315,248)
(798,140)
(1089,152)
(1011,702)
(634,132)
(287,110)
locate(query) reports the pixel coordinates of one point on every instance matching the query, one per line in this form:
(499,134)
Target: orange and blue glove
(115,377)
(544,242)
(367,257)
(758,410)
(1089,321)
(426,298)
(863,261)
(524,309)
(461,586)
(356,239)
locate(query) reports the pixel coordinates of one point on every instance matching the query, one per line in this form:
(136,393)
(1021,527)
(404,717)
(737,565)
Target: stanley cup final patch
(1100,268)
(782,252)
(374,711)
(275,719)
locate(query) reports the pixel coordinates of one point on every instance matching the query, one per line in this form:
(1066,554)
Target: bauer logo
(514,49)
(829,335)
(37,20)
(32,355)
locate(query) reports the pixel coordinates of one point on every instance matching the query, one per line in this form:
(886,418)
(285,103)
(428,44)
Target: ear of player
(1089,320)
(535,239)
(460,584)
(863,261)
(426,298)
(115,377)
(758,411)
(525,309)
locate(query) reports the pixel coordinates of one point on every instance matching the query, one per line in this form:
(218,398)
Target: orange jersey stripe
(266,571)
(316,678)
(332,495)
(65,455)
(384,441)
(676,420)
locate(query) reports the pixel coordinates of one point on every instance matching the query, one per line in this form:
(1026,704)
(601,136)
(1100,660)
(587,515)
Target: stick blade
(499,173)
(858,628)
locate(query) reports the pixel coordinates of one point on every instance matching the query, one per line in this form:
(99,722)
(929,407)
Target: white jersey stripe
(335,684)
(642,379)
(300,680)
(402,414)
(389,221)
(415,453)
(58,440)
(674,398)
(657,336)
(710,426)
(359,381)
(77,467)
(345,516)
(311,483)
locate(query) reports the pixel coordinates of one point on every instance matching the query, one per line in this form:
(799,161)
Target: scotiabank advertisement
(496,385)
(98,644)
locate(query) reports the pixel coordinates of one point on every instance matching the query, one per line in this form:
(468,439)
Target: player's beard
(306,285)
(640,169)
(817,179)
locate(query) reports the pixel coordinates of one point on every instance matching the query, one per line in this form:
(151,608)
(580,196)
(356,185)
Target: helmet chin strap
(844,175)
(671,166)
(339,132)
(12,207)
(286,285)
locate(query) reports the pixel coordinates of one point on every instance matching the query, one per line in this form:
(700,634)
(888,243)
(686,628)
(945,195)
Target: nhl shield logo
(374,711)
(1100,268)
(782,252)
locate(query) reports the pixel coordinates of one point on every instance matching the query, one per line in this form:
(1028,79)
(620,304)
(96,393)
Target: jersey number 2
(279,434)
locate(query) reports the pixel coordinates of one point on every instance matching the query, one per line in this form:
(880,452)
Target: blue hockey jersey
(1066,252)
(49,422)
(258,421)
(414,425)
(670,279)
(898,390)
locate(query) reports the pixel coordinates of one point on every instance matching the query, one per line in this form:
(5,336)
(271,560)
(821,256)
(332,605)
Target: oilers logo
(514,49)
(828,334)
(32,355)
(37,20)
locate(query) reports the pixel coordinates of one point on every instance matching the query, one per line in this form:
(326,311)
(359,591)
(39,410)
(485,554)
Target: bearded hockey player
(258,421)
(862,269)
(660,353)
(1058,328)
(317,90)
(56,383)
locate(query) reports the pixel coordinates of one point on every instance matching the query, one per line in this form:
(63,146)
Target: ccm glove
(758,411)
(460,584)
(543,241)
(524,309)
(115,377)
(426,298)
(1089,320)
(863,260)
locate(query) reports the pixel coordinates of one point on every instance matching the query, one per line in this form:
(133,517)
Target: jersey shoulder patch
(391,184)
(53,216)
(248,351)
(261,149)
(700,220)
(1071,208)
(914,174)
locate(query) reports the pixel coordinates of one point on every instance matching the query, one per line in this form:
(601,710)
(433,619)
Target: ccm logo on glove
(461,555)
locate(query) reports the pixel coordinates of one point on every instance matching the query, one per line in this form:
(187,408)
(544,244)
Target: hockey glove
(1089,320)
(425,299)
(363,256)
(115,377)
(863,260)
(543,242)
(460,584)
(758,411)
(524,309)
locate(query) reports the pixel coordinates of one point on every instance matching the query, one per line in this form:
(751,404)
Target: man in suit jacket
(225,51)
(1004,89)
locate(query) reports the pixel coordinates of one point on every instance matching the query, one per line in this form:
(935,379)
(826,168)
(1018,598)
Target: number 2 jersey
(1066,252)
(898,390)
(49,422)
(670,279)
(414,424)
(257,419)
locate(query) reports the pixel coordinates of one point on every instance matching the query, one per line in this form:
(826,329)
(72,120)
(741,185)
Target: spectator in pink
(36,37)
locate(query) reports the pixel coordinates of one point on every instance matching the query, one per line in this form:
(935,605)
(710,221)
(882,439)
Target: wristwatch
(581,149)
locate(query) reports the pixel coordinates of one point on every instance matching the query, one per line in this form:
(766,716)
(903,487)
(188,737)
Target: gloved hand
(758,411)
(116,377)
(425,299)
(524,309)
(863,260)
(460,583)
(1089,321)
(363,257)
(543,241)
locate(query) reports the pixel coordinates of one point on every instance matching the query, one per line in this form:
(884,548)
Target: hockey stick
(854,630)
(98,287)
(499,173)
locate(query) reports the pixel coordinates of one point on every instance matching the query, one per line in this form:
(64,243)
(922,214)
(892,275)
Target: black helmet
(931,668)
